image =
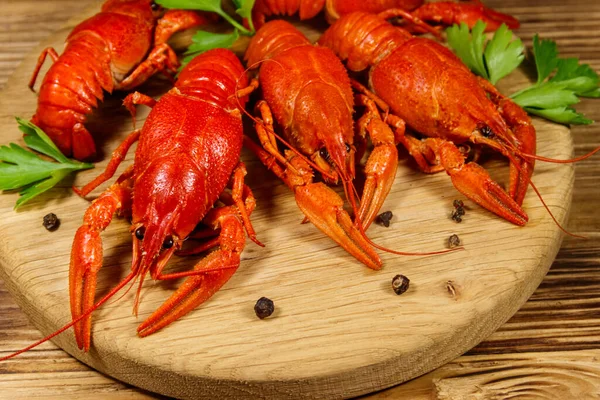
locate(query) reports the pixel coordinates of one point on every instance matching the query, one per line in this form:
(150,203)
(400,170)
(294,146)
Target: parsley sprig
(551,95)
(203,41)
(560,81)
(23,170)
(493,61)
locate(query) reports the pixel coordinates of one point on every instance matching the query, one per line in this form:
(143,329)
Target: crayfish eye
(486,131)
(139,232)
(324,153)
(168,243)
(154,6)
(347,148)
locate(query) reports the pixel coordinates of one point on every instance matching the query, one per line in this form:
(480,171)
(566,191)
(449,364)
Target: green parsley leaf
(244,10)
(550,95)
(469,46)
(546,57)
(592,93)
(560,81)
(503,54)
(562,115)
(24,170)
(492,60)
(202,5)
(36,139)
(205,5)
(575,77)
(203,41)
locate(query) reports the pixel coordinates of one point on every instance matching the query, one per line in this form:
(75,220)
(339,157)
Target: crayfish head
(154,242)
(153,246)
(168,202)
(337,160)
(326,134)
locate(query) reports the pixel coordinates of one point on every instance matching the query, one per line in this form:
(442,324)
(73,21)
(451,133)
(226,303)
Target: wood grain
(574,302)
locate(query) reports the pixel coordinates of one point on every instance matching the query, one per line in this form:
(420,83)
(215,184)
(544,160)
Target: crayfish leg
(176,20)
(265,132)
(134,99)
(48,51)
(86,255)
(118,155)
(161,59)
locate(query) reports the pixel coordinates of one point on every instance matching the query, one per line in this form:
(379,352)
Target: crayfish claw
(207,277)
(381,165)
(473,181)
(86,260)
(86,257)
(325,209)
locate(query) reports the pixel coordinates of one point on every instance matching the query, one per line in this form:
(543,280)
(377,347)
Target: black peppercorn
(453,241)
(400,284)
(459,210)
(264,307)
(51,222)
(384,218)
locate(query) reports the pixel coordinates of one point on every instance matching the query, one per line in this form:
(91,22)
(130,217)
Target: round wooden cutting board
(338,330)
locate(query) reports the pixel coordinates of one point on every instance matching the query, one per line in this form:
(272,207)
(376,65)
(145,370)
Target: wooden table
(550,348)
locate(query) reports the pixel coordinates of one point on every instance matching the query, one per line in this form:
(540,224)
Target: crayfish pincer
(306,90)
(427,86)
(116,49)
(187,156)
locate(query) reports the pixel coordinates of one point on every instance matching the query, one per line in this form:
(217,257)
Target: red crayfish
(447,13)
(307,93)
(187,155)
(116,49)
(428,87)
(444,12)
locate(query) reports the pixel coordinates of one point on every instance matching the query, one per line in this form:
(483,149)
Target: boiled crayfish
(306,90)
(428,87)
(188,151)
(116,49)
(445,12)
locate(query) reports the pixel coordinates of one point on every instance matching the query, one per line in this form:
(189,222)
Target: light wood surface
(553,308)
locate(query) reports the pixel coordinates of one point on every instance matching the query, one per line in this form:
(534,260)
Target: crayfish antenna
(551,214)
(555,161)
(398,12)
(358,223)
(76,320)
(539,195)
(403,253)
